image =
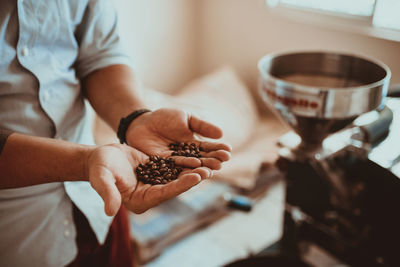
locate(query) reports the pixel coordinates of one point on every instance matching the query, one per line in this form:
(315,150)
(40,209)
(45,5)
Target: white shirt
(45,47)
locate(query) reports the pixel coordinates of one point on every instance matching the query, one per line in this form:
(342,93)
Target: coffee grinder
(341,207)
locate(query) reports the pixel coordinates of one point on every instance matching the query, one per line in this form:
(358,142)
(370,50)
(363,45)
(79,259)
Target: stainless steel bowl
(318,93)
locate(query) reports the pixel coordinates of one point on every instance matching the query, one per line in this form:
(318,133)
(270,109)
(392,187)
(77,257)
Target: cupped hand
(111,172)
(152,133)
(146,196)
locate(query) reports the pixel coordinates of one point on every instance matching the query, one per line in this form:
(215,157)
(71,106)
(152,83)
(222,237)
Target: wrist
(126,122)
(85,155)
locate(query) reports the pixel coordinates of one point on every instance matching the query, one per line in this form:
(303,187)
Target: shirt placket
(28,32)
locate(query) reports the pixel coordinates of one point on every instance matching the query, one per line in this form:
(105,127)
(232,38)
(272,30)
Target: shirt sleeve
(98,39)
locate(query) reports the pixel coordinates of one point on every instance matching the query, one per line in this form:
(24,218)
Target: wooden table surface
(236,236)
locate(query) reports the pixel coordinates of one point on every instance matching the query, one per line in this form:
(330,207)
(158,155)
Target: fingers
(212,146)
(147,196)
(186,180)
(204,128)
(212,160)
(221,155)
(162,193)
(204,172)
(211,163)
(103,182)
(211,156)
(189,162)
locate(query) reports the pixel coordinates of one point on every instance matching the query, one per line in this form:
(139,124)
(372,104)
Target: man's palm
(111,170)
(153,132)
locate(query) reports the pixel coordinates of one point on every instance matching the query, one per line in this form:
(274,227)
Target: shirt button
(65,222)
(46,96)
(66,233)
(25,51)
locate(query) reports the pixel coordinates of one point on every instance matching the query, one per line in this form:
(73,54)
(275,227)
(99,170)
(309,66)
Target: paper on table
(241,171)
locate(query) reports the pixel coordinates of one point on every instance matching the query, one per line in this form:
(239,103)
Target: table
(235,236)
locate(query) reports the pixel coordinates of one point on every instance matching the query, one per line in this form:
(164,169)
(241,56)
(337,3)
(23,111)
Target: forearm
(27,160)
(4,134)
(113,93)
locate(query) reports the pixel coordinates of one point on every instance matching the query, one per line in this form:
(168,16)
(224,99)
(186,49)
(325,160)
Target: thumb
(103,182)
(204,128)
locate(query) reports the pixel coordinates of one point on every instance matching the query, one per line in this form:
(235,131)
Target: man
(53,55)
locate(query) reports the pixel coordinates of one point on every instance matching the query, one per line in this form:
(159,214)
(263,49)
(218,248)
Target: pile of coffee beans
(185,149)
(158,170)
(161,170)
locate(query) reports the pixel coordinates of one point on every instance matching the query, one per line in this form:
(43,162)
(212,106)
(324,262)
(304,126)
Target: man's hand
(111,171)
(146,196)
(152,133)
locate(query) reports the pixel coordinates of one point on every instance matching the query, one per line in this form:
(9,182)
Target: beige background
(173,41)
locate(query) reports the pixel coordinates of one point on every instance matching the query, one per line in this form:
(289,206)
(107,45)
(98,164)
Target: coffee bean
(157,171)
(161,170)
(185,149)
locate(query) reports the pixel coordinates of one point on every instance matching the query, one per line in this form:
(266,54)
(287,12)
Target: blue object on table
(238,202)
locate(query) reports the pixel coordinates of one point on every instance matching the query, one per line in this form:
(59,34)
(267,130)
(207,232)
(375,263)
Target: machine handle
(375,131)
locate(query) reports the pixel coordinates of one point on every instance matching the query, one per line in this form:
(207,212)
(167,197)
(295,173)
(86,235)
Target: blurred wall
(173,41)
(160,36)
(240,32)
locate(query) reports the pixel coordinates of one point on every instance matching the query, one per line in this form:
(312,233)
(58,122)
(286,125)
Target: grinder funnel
(319,93)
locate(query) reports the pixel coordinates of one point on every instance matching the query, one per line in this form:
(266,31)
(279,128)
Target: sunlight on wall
(159,37)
